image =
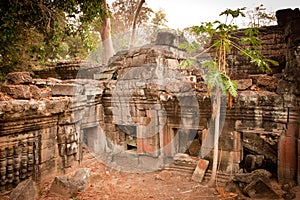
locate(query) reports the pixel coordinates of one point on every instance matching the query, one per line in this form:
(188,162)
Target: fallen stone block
(253,176)
(256,185)
(69,187)
(200,170)
(253,162)
(260,189)
(26,190)
(62,186)
(81,179)
(19,78)
(289,195)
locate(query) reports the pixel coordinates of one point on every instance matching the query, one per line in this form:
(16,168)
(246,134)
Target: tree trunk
(138,10)
(216,110)
(105,32)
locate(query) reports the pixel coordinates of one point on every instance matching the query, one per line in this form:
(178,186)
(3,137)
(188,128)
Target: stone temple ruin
(141,110)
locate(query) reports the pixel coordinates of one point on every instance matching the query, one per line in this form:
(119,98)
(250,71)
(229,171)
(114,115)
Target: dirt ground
(107,183)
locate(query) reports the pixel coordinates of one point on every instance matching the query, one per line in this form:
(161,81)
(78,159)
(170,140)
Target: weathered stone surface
(62,186)
(194,148)
(261,142)
(4,97)
(26,190)
(253,162)
(17,91)
(269,82)
(165,38)
(260,189)
(286,15)
(255,185)
(169,39)
(185,159)
(35,92)
(66,89)
(289,195)
(253,176)
(200,170)
(244,84)
(163,175)
(81,179)
(19,78)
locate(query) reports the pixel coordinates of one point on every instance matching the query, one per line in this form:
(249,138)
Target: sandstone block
(163,175)
(4,97)
(102,76)
(194,148)
(62,186)
(244,84)
(35,92)
(286,15)
(260,188)
(185,159)
(63,89)
(17,91)
(81,179)
(26,190)
(253,176)
(19,78)
(47,154)
(169,39)
(165,38)
(172,63)
(269,82)
(292,129)
(138,60)
(200,170)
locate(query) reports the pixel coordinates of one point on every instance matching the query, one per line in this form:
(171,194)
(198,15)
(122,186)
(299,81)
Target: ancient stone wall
(40,128)
(67,69)
(289,162)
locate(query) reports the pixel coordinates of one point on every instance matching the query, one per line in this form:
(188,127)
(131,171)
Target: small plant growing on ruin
(217,78)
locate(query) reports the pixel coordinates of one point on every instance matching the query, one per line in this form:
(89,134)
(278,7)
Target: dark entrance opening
(130,136)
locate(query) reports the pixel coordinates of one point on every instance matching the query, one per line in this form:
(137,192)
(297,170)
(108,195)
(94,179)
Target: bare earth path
(107,183)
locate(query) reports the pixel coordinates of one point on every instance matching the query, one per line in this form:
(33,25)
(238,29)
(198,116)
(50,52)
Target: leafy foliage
(215,78)
(34,32)
(123,11)
(159,20)
(189,47)
(260,16)
(223,41)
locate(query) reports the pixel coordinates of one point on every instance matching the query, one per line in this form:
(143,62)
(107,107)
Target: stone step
(222,178)
(180,168)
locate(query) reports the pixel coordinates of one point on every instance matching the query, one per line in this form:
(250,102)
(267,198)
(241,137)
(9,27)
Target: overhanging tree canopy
(40,29)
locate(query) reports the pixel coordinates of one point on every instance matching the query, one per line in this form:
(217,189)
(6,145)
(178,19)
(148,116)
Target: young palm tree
(217,80)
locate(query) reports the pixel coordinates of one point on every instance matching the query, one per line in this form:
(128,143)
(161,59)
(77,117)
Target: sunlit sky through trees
(184,13)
